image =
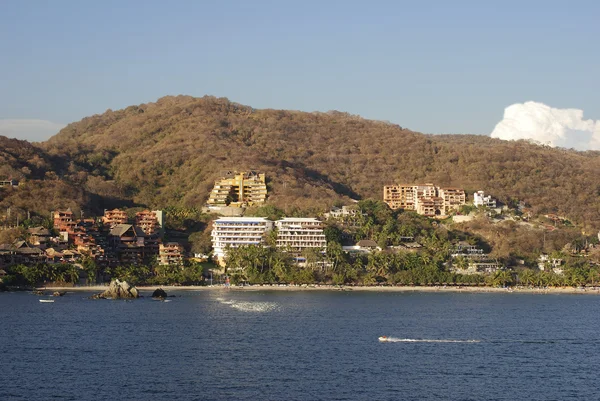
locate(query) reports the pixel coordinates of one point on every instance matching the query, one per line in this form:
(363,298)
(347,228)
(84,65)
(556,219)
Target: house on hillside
(8,183)
(362,246)
(481,199)
(467,250)
(39,236)
(554,264)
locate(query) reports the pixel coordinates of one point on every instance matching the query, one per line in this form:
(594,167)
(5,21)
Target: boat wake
(423,340)
(244,306)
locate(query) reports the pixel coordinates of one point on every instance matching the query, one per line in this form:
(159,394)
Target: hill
(170,152)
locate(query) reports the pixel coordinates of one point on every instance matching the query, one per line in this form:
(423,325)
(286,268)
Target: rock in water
(120,290)
(159,293)
(59,293)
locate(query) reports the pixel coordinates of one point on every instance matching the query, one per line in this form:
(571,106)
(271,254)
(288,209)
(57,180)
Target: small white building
(480,199)
(234,232)
(343,212)
(553,263)
(297,234)
(467,250)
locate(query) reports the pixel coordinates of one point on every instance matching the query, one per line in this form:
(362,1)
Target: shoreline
(446,289)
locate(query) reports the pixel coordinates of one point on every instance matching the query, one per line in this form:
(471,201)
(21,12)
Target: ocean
(301,345)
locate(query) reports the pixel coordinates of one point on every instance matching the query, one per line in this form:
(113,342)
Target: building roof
(299,219)
(38,231)
(367,243)
(241,219)
(30,251)
(120,229)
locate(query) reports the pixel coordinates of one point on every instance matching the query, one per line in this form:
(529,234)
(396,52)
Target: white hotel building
(237,231)
(297,234)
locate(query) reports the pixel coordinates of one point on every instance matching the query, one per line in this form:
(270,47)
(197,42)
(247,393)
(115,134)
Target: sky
(431,66)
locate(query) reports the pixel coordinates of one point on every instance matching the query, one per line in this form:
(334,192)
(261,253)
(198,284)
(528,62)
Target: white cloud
(544,124)
(31,130)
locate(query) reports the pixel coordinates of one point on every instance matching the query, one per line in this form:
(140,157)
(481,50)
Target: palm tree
(527,277)
(502,278)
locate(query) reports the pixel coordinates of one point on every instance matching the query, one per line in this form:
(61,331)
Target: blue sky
(432,66)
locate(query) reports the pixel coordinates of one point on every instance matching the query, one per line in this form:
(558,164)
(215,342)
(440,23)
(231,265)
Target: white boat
(384,339)
(47,301)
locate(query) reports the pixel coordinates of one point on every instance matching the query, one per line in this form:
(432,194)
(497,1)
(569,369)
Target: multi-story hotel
(113,217)
(149,221)
(297,234)
(234,232)
(425,199)
(170,253)
(238,190)
(453,199)
(64,220)
(405,196)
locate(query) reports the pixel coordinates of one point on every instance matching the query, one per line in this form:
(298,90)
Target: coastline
(451,289)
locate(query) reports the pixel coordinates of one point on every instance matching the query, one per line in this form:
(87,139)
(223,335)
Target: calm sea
(235,345)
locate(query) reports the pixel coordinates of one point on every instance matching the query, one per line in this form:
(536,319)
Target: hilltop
(169,153)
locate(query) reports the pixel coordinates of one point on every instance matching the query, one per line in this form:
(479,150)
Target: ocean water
(261,345)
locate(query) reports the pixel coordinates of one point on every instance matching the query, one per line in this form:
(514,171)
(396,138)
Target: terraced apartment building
(235,189)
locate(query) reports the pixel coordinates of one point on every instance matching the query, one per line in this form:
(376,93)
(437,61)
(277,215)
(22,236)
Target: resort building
(150,221)
(128,242)
(170,253)
(113,217)
(297,234)
(233,232)
(425,199)
(404,196)
(453,198)
(480,199)
(64,220)
(239,190)
(430,207)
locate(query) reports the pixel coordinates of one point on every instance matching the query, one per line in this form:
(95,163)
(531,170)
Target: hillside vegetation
(170,152)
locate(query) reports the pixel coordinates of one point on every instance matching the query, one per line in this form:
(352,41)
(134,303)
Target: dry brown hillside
(171,151)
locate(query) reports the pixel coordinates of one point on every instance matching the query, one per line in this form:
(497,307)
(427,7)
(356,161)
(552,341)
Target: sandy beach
(275,287)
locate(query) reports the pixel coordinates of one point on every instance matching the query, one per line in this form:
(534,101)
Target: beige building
(430,207)
(297,234)
(238,190)
(425,199)
(453,199)
(170,253)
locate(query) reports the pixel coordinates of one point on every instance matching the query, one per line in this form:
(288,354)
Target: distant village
(115,239)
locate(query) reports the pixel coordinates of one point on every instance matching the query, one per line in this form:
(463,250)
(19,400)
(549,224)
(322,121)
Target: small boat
(384,339)
(47,301)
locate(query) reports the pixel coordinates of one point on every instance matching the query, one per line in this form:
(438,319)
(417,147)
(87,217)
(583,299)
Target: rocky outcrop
(159,293)
(59,293)
(118,290)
